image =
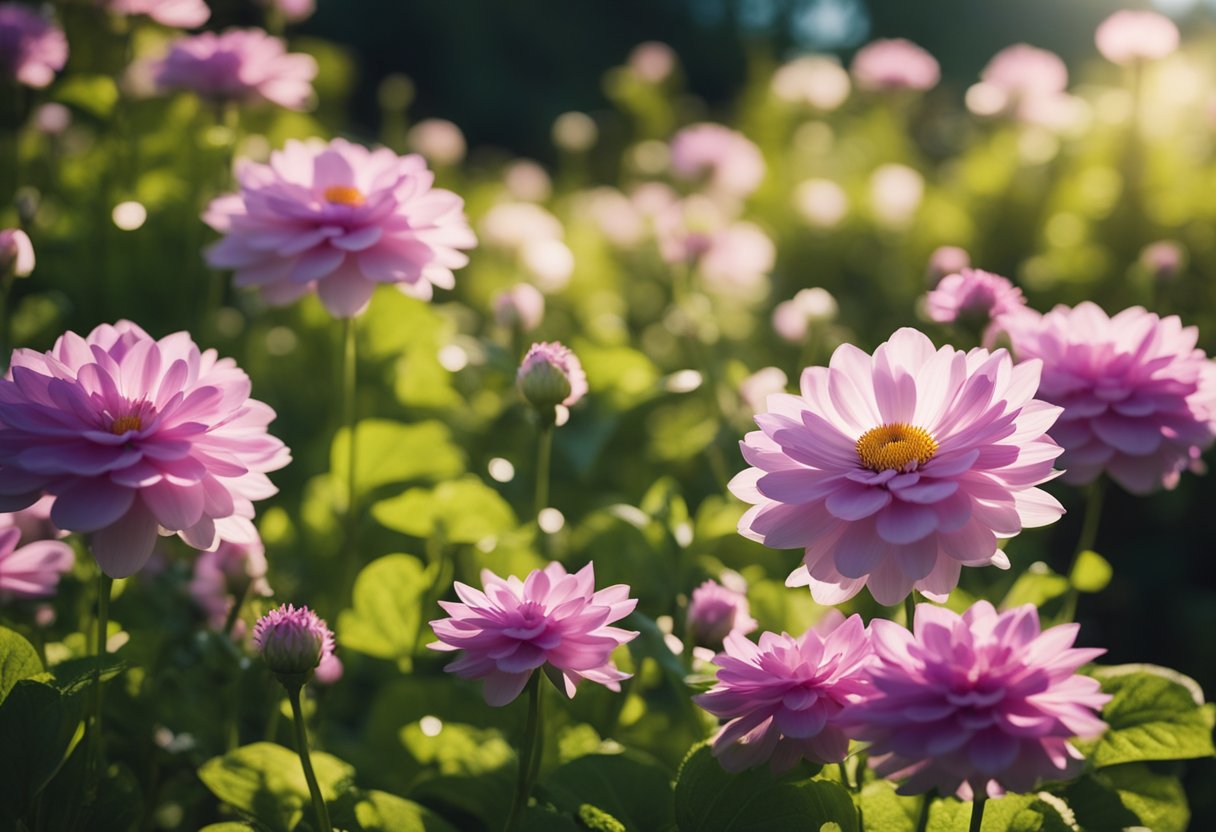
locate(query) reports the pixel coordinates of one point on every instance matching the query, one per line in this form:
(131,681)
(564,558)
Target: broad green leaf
(387,614)
(633,790)
(458,511)
(266,781)
(44,725)
(1091,572)
(391,452)
(96,94)
(1129,795)
(1037,585)
(18,660)
(1154,715)
(543,819)
(882,810)
(384,812)
(457,749)
(621,377)
(1011,813)
(709,799)
(229,826)
(76,675)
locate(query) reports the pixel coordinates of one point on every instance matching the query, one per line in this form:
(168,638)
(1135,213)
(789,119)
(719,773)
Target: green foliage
(1091,572)
(633,791)
(45,725)
(882,810)
(390,452)
(1038,585)
(1012,813)
(1128,795)
(18,660)
(385,619)
(464,510)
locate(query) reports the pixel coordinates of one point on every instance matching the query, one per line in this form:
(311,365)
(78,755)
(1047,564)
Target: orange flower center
(895,447)
(344,195)
(126,423)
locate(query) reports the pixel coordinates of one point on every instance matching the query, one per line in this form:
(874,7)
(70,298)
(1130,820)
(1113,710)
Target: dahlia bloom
(1139,399)
(32,48)
(1128,36)
(132,435)
(783,698)
(733,164)
(975,294)
(338,219)
(976,704)
(715,611)
(895,64)
(183,14)
(16,252)
(292,641)
(551,375)
(33,570)
(894,471)
(221,577)
(522,306)
(550,620)
(243,65)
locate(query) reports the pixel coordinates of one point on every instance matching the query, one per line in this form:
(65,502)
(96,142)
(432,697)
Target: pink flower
(652,61)
(738,260)
(976,294)
(817,80)
(943,261)
(34,522)
(16,252)
(734,166)
(551,619)
(32,48)
(1163,260)
(243,65)
(131,435)
(293,11)
(783,698)
(1025,72)
(33,570)
(338,219)
(756,388)
(1128,36)
(714,612)
(895,64)
(551,375)
(230,572)
(1139,399)
(438,140)
(293,642)
(522,306)
(976,704)
(184,14)
(893,471)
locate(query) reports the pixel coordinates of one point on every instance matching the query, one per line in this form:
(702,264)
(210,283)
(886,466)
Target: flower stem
(349,370)
(104,584)
(1085,542)
(529,755)
(234,612)
(977,812)
(922,823)
(910,609)
(318,802)
(544,452)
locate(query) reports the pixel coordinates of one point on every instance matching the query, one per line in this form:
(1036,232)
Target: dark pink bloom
(32,48)
(896,470)
(1130,35)
(976,704)
(1139,399)
(16,252)
(551,619)
(338,219)
(895,64)
(731,163)
(783,698)
(243,65)
(293,641)
(230,572)
(714,612)
(974,294)
(551,375)
(132,435)
(184,14)
(32,570)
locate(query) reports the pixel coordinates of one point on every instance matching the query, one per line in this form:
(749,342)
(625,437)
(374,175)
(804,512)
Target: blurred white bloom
(575,132)
(756,388)
(817,80)
(821,202)
(896,192)
(549,261)
(438,140)
(509,225)
(652,61)
(528,181)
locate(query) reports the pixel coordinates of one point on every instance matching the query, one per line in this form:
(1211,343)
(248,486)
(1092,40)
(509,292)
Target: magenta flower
(292,641)
(226,574)
(133,435)
(551,619)
(32,48)
(783,698)
(976,704)
(33,570)
(338,219)
(183,14)
(16,253)
(731,163)
(242,65)
(1139,399)
(895,64)
(894,471)
(714,612)
(977,295)
(551,375)
(1128,36)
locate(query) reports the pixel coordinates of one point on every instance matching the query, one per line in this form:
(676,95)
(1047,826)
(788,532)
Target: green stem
(544,452)
(844,775)
(318,802)
(910,609)
(922,822)
(235,612)
(1086,540)
(104,584)
(349,388)
(529,755)
(977,812)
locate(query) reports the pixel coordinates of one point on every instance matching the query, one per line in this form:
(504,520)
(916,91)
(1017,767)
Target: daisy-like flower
(716,611)
(32,48)
(550,620)
(783,698)
(975,294)
(338,219)
(132,435)
(976,704)
(1128,36)
(895,64)
(183,14)
(551,375)
(242,65)
(1139,399)
(32,570)
(292,641)
(896,470)
(731,163)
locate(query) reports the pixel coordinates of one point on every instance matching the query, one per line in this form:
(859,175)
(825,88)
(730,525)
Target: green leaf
(77,675)
(1037,585)
(387,609)
(1091,572)
(391,452)
(1155,714)
(633,790)
(96,94)
(457,749)
(230,826)
(708,799)
(45,725)
(18,660)
(1011,813)
(1132,794)
(384,812)
(267,782)
(882,810)
(459,511)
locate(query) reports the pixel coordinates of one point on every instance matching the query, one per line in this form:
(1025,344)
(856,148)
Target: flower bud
(522,306)
(943,261)
(16,253)
(1163,260)
(292,642)
(715,611)
(551,375)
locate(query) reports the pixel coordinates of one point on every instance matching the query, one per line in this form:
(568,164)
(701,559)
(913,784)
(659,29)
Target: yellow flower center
(126,423)
(344,195)
(895,447)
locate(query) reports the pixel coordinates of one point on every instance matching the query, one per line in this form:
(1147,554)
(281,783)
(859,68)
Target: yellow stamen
(344,195)
(124,424)
(895,447)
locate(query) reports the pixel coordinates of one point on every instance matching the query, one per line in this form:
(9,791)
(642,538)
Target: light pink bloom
(338,219)
(783,698)
(943,261)
(513,225)
(792,318)
(1024,72)
(230,572)
(732,164)
(976,294)
(896,64)
(293,11)
(132,435)
(32,570)
(34,522)
(52,118)
(1139,399)
(293,641)
(522,306)
(32,48)
(1128,36)
(976,704)
(652,61)
(756,388)
(1163,260)
(817,80)
(894,471)
(184,14)
(551,619)
(737,260)
(242,65)
(438,140)
(16,252)
(714,612)
(551,374)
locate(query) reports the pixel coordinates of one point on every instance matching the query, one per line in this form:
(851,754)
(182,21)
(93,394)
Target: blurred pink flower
(437,140)
(652,61)
(184,14)
(987,298)
(756,388)
(16,252)
(783,698)
(527,180)
(738,260)
(338,219)
(232,571)
(1139,399)
(551,619)
(242,65)
(792,318)
(1163,260)
(330,670)
(551,374)
(1023,72)
(293,11)
(976,704)
(1128,36)
(520,307)
(293,641)
(131,435)
(52,118)
(32,48)
(732,164)
(817,80)
(34,522)
(32,570)
(896,64)
(943,261)
(714,612)
(894,471)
